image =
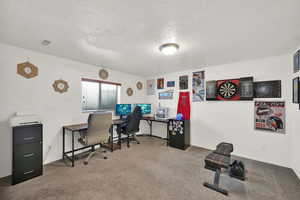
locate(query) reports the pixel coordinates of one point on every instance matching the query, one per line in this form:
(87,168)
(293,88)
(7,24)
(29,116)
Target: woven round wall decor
(60,86)
(103,74)
(129,92)
(139,85)
(27,70)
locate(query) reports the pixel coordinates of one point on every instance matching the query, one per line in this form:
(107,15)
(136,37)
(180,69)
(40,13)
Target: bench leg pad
(216,188)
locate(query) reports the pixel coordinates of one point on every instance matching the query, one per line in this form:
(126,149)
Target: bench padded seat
(216,161)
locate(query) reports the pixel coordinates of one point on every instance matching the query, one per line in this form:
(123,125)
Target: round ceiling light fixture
(46,42)
(169,48)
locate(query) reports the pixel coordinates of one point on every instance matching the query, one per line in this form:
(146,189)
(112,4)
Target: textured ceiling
(125,35)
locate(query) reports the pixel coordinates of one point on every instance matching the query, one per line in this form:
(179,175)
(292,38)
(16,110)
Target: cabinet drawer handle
(28,155)
(29,138)
(29,172)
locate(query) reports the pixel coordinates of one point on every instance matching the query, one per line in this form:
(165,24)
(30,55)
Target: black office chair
(132,125)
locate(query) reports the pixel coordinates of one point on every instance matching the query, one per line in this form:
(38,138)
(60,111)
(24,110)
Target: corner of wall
(297,172)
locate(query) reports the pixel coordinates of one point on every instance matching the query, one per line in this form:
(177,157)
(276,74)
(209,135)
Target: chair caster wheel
(85,163)
(105,157)
(138,142)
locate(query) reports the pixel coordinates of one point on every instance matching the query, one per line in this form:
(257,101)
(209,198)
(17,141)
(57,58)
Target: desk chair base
(134,137)
(92,153)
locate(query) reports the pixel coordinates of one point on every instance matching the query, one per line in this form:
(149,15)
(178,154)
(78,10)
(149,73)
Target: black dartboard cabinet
(179,133)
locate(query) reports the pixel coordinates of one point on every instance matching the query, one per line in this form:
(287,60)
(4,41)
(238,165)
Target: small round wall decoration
(139,85)
(129,92)
(60,86)
(103,74)
(27,70)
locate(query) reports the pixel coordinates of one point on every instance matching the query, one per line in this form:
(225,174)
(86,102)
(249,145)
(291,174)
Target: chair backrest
(133,120)
(98,128)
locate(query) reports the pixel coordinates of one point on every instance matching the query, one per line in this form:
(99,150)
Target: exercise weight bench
(216,161)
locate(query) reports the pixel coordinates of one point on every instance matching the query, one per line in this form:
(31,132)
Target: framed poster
(160,83)
(151,87)
(246,88)
(296,91)
(170,83)
(267,89)
(270,115)
(228,89)
(198,86)
(211,90)
(297,61)
(183,82)
(166,95)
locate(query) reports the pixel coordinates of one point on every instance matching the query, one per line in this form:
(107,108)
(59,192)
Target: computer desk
(83,127)
(150,121)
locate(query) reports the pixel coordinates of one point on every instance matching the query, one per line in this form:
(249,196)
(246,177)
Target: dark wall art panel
(267,89)
(296,91)
(246,88)
(297,61)
(211,90)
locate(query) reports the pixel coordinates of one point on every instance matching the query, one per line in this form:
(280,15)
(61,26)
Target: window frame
(100,93)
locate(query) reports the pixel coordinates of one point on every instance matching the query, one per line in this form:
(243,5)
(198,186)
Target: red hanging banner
(184,105)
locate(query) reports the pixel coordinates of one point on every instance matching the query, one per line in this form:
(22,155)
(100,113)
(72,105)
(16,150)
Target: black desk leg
(63,155)
(150,128)
(119,136)
(168,133)
(73,157)
(112,141)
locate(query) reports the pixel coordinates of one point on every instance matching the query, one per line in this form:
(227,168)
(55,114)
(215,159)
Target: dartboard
(227,90)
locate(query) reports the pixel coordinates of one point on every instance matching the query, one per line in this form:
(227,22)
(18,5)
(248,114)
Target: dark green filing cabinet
(27,152)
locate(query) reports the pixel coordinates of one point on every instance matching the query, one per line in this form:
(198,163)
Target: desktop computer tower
(179,133)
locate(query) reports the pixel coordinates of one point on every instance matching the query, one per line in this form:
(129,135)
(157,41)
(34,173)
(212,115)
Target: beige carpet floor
(152,171)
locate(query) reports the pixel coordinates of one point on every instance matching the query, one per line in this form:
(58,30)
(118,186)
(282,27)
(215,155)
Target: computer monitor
(123,109)
(146,108)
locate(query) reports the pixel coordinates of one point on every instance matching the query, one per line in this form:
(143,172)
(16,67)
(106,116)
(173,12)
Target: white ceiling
(125,35)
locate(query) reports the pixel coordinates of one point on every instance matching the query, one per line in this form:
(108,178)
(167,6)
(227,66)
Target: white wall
(211,122)
(37,96)
(216,121)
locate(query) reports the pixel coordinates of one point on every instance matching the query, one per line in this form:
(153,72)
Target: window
(99,95)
